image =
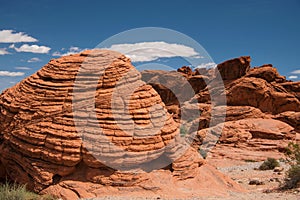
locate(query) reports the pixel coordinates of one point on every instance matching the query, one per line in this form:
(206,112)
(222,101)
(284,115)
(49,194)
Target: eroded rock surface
(258,93)
(50,122)
(50,138)
(252,139)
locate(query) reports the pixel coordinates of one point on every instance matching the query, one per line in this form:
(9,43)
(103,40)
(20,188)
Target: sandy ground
(242,172)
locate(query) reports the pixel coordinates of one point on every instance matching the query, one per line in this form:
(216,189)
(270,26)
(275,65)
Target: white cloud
(34,60)
(207,65)
(3,51)
(8,36)
(296,72)
(31,48)
(293,77)
(22,68)
(71,50)
(56,53)
(12,74)
(149,51)
(74,49)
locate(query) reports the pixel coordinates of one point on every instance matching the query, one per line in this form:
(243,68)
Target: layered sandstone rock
(175,88)
(89,125)
(234,68)
(290,117)
(39,136)
(261,94)
(252,139)
(251,93)
(86,122)
(266,72)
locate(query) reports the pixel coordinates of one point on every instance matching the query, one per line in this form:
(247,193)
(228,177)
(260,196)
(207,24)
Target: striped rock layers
(88,117)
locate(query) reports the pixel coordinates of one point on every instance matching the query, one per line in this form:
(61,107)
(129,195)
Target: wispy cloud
(56,53)
(149,51)
(71,50)
(11,74)
(3,51)
(296,72)
(207,65)
(31,60)
(31,48)
(76,49)
(9,36)
(293,77)
(23,68)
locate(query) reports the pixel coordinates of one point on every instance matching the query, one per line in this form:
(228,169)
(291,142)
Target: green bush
(18,192)
(293,174)
(269,164)
(293,153)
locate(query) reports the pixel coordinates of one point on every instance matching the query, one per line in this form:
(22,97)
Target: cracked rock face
(253,95)
(86,125)
(41,146)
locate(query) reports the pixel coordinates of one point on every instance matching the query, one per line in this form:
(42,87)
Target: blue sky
(36,31)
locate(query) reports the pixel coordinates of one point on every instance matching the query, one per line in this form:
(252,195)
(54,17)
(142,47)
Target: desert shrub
(269,164)
(293,158)
(293,175)
(293,153)
(15,192)
(9,191)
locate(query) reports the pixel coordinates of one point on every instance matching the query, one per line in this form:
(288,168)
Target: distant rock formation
(262,108)
(234,68)
(40,145)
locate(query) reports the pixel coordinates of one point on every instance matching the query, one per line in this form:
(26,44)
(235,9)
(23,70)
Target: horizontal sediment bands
(81,108)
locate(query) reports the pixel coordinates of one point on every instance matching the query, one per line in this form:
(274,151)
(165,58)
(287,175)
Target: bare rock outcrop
(50,138)
(252,139)
(266,72)
(39,137)
(90,124)
(251,93)
(234,68)
(290,117)
(261,94)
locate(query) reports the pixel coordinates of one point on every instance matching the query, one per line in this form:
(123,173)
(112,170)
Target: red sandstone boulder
(290,117)
(49,137)
(185,70)
(292,87)
(234,68)
(39,141)
(250,91)
(260,93)
(266,72)
(251,139)
(40,145)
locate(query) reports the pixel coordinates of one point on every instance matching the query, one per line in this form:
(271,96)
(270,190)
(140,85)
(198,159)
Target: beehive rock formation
(50,141)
